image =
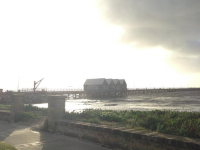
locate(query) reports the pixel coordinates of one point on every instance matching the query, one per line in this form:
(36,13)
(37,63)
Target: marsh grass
(170,122)
(5,146)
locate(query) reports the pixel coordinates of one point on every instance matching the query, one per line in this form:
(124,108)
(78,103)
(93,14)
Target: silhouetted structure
(95,85)
(123,85)
(117,84)
(111,86)
(105,87)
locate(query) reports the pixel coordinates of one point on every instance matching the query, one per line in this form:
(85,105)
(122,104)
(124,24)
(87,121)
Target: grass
(5,146)
(31,108)
(31,112)
(4,107)
(170,122)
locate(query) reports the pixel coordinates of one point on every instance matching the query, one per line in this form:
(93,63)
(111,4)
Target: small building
(95,85)
(117,84)
(111,85)
(123,84)
(102,85)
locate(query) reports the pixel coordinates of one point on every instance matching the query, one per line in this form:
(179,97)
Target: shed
(110,84)
(117,84)
(123,84)
(95,85)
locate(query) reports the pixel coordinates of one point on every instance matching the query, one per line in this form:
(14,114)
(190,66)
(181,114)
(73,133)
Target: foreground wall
(124,138)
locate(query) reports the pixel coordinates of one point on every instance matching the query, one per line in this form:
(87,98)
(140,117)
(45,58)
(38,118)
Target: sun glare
(66,42)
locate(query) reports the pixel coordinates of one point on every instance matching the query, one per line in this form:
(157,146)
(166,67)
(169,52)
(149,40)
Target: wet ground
(179,101)
(22,137)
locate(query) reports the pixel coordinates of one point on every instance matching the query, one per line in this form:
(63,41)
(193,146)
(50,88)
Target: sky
(150,44)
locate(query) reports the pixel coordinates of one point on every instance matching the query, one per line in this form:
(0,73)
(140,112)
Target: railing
(177,88)
(79,89)
(50,90)
(60,90)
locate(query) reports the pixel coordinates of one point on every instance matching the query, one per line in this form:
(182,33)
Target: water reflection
(180,101)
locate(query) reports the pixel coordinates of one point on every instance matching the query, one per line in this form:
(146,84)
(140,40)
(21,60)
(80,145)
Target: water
(179,101)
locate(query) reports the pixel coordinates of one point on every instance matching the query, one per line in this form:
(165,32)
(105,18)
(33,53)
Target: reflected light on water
(179,101)
(71,105)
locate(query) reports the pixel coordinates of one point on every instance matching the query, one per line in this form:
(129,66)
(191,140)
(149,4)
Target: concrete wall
(127,139)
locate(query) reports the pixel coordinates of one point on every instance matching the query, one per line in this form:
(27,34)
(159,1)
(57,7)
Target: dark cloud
(172,24)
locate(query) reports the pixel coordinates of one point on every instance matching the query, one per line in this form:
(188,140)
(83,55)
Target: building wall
(105,87)
(95,88)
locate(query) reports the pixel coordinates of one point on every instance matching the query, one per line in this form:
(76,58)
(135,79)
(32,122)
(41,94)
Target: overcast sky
(149,43)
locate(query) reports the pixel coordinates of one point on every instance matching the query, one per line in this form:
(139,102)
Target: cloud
(185,64)
(173,25)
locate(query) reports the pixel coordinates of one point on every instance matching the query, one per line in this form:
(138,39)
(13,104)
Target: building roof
(99,81)
(115,81)
(122,81)
(108,81)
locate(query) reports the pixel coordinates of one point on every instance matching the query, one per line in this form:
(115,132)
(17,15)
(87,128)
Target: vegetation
(170,122)
(40,111)
(4,107)
(31,112)
(5,146)
(25,116)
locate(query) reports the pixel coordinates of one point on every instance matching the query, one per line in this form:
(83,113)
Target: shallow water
(179,101)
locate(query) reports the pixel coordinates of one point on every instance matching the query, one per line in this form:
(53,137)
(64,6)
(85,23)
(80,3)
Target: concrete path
(23,138)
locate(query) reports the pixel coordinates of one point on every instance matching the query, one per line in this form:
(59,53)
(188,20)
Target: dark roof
(122,81)
(108,81)
(99,81)
(115,81)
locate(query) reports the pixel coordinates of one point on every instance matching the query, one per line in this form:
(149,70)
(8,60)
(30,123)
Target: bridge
(129,91)
(40,95)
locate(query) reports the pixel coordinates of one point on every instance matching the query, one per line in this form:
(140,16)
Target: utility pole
(18,85)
